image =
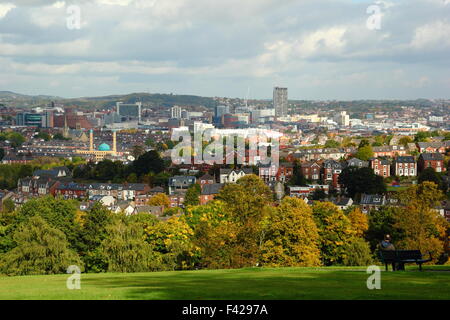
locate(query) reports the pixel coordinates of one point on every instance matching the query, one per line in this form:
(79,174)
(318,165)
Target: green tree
(357,253)
(126,249)
(335,231)
(193,195)
(40,249)
(381,223)
(148,162)
(8,205)
(332,144)
(57,212)
(357,181)
(93,233)
(365,153)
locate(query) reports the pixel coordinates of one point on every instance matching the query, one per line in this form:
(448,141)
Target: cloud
(319,48)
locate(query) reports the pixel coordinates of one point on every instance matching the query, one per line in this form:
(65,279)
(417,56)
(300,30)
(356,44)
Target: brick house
(311,170)
(206,179)
(209,192)
(37,187)
(71,190)
(331,171)
(431,147)
(405,166)
(380,167)
(431,160)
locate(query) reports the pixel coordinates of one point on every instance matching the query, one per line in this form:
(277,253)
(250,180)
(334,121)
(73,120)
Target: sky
(319,49)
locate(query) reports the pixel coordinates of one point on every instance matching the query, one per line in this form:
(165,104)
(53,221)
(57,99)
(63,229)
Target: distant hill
(160,100)
(14,95)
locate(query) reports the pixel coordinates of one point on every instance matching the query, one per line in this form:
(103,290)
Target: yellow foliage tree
(421,226)
(160,199)
(359,221)
(292,238)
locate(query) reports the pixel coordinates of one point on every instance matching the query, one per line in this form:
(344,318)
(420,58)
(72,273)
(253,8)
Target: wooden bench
(398,258)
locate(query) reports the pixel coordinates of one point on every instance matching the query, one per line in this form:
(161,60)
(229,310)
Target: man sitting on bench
(386,245)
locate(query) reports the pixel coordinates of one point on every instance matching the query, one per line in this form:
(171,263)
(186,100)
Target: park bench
(398,258)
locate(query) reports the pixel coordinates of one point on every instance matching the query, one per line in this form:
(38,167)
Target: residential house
(311,170)
(431,160)
(206,179)
(209,192)
(432,147)
(233,175)
(71,190)
(178,183)
(177,198)
(331,171)
(355,162)
(405,166)
(371,202)
(389,151)
(380,167)
(343,203)
(36,187)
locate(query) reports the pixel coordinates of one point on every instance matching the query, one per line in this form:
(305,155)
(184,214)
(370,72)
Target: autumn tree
(359,222)
(172,243)
(291,236)
(160,200)
(422,227)
(335,231)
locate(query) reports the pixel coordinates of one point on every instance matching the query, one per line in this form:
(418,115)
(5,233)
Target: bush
(357,253)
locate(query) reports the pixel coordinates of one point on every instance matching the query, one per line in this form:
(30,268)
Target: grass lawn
(244,284)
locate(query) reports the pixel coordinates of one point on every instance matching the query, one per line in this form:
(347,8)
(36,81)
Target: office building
(280,101)
(129,112)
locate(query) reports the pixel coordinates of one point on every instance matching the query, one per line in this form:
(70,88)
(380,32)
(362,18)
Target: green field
(245,284)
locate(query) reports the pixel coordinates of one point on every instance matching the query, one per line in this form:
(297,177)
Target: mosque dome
(104,147)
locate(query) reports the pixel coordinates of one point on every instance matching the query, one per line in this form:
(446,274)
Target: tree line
(242,227)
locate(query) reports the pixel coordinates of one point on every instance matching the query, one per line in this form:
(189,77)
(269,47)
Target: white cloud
(432,35)
(5,8)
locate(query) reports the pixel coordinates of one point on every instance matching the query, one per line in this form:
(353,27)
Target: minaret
(91,140)
(114,142)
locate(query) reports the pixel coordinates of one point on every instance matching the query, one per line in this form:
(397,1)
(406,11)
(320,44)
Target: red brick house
(206,179)
(209,192)
(331,171)
(432,160)
(311,170)
(380,167)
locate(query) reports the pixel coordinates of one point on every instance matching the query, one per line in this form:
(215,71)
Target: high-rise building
(175,112)
(280,101)
(39,120)
(219,112)
(129,111)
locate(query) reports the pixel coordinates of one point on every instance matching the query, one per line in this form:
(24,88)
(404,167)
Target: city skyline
(175,47)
